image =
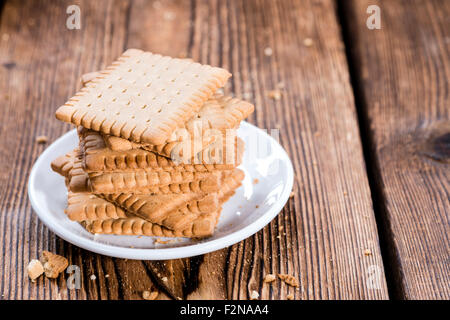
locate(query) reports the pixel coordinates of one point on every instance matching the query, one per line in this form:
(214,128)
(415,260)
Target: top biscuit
(143,97)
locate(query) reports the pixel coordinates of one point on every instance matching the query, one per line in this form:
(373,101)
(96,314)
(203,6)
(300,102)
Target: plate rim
(164,253)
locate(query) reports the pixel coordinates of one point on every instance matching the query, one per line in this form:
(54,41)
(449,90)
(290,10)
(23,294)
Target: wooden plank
(404,71)
(40,64)
(321,235)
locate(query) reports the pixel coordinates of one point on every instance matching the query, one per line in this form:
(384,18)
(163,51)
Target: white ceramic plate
(252,207)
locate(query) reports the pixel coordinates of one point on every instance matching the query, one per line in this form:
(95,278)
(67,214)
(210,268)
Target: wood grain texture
(321,234)
(328,224)
(41,62)
(404,73)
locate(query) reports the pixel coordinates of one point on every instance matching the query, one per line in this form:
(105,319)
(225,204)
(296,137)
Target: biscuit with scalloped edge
(85,206)
(200,227)
(143,96)
(97,157)
(217,118)
(77,180)
(175,211)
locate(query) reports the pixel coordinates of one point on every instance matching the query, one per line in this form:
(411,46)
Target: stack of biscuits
(158,151)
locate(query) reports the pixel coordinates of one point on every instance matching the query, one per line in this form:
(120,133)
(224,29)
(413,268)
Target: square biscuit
(86,206)
(217,115)
(97,157)
(174,211)
(200,228)
(78,180)
(143,96)
(142,180)
(103,217)
(184,224)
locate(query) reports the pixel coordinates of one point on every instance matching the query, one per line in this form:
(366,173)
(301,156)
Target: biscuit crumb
(254,295)
(268,51)
(255,181)
(256,206)
(35,269)
(106,275)
(289,280)
(247,95)
(156,5)
(164,279)
(157,240)
(274,94)
(93,277)
(88,77)
(290,296)
(169,15)
(41,139)
(269,278)
(367,252)
(53,264)
(147,295)
(308,42)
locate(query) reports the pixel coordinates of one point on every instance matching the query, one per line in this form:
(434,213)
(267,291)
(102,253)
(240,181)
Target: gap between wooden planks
(403,70)
(320,236)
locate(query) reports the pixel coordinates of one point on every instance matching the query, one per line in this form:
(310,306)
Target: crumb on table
(150,295)
(268,51)
(41,139)
(35,269)
(269,278)
(274,94)
(53,264)
(289,280)
(254,295)
(308,42)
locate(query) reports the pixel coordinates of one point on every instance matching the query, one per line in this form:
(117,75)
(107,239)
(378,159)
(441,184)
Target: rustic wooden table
(364,116)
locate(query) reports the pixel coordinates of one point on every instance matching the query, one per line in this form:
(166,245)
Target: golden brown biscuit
(86,206)
(79,181)
(202,226)
(143,97)
(174,211)
(217,118)
(98,157)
